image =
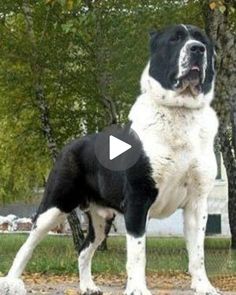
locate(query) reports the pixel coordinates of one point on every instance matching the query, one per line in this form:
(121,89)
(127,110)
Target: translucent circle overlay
(126,159)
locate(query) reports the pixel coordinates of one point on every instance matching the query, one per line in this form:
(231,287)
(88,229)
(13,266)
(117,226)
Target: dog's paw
(208,292)
(205,288)
(137,291)
(92,289)
(92,292)
(10,286)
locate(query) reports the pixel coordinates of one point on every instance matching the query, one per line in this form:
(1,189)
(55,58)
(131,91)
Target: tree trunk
(41,101)
(103,78)
(45,122)
(232,176)
(220,28)
(101,56)
(77,233)
(229,161)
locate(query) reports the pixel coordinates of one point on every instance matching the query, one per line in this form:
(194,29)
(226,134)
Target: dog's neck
(171,98)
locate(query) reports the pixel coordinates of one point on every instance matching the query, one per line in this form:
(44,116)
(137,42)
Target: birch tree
(221,26)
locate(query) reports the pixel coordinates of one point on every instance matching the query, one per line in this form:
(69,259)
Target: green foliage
(82,54)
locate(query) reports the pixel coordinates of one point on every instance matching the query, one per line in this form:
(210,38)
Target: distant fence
(167,262)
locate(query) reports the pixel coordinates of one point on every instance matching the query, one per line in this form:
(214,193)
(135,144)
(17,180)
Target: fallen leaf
(212,5)
(71,292)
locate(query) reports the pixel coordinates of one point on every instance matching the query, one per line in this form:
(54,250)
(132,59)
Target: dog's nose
(197,48)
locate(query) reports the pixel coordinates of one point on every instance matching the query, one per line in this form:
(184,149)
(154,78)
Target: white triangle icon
(117,147)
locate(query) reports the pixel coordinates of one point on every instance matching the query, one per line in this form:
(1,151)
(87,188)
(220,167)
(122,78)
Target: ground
(110,284)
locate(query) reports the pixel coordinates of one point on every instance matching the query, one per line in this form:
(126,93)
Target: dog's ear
(154,34)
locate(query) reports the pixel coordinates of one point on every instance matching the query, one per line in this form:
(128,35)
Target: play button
(118,148)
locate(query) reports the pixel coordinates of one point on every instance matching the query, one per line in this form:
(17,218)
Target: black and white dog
(176,169)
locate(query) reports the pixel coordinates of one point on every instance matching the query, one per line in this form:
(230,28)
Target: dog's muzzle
(192,68)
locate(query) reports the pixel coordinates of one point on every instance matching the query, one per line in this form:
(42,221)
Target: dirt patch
(176,284)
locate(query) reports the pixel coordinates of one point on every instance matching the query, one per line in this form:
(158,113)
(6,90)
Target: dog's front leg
(195,218)
(135,220)
(136,263)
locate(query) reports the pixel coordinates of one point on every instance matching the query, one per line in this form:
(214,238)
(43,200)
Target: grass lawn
(56,255)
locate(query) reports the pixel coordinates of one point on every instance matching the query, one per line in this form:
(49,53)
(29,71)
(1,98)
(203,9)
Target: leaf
(70,4)
(212,5)
(71,292)
(222,8)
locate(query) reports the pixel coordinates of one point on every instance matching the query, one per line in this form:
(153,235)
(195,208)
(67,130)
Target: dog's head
(181,67)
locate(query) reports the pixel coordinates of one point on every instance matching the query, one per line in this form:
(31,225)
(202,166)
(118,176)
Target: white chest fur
(179,144)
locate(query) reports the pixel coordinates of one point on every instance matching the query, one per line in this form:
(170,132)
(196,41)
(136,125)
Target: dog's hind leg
(99,222)
(45,221)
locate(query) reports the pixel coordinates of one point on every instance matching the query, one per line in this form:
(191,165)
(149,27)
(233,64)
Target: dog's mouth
(191,81)
(194,75)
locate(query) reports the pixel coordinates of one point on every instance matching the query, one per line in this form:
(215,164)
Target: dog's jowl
(176,167)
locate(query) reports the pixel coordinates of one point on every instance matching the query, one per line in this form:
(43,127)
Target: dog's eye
(177,37)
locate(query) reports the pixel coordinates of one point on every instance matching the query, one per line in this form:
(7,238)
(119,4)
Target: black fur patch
(78,179)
